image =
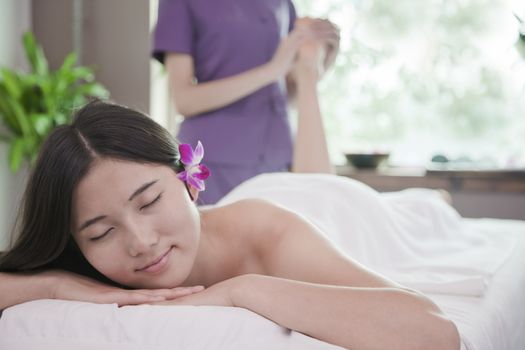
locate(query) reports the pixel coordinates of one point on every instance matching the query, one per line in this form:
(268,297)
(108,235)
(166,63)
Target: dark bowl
(366,160)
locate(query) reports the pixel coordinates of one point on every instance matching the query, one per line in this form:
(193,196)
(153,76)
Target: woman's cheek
(105,260)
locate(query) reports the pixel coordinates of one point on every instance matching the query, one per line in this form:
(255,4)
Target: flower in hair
(194,173)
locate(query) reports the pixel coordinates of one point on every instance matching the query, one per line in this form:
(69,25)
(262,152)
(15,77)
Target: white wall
(15,19)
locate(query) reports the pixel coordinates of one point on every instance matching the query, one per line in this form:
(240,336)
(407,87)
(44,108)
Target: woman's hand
(330,35)
(307,32)
(284,57)
(310,58)
(318,52)
(219,294)
(69,286)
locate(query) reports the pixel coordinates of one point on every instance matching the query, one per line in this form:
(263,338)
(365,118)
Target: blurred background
(420,78)
(438,86)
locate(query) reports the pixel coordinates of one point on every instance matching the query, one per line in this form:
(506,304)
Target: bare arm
(351,317)
(329,33)
(310,287)
(310,148)
(18,288)
(340,301)
(192,98)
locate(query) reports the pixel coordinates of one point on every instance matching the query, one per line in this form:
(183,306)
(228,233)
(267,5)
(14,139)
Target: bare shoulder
(284,244)
(259,214)
(249,226)
(255,221)
(251,207)
(291,246)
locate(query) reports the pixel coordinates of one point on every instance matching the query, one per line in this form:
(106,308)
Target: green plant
(33,104)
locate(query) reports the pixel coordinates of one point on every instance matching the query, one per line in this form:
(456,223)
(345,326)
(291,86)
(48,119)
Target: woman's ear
(192,191)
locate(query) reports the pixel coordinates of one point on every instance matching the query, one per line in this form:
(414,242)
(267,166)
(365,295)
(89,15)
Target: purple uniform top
(227,37)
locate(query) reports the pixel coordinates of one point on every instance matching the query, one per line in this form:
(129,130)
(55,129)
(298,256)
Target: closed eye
(100,236)
(152,202)
(143,207)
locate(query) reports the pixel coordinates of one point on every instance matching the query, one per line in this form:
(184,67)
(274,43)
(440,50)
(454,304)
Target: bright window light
(420,78)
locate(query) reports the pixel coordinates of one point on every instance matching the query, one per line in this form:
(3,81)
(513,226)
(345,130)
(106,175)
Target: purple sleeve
(174,31)
(293,15)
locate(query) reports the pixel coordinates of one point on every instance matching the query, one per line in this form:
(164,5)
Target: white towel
(412,237)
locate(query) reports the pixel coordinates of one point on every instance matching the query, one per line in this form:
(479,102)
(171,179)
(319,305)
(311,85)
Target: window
(419,78)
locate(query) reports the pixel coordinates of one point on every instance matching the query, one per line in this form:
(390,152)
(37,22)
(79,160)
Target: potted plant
(33,104)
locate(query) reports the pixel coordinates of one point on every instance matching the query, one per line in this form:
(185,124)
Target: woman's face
(136,224)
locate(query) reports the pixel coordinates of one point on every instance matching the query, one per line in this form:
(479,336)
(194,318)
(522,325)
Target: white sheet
(412,237)
(385,233)
(496,321)
(67,325)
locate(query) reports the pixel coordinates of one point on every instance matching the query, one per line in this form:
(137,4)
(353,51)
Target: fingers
(316,24)
(286,53)
(326,25)
(183,291)
(170,294)
(331,44)
(319,29)
(322,31)
(146,296)
(173,292)
(139,298)
(300,36)
(326,33)
(123,298)
(178,301)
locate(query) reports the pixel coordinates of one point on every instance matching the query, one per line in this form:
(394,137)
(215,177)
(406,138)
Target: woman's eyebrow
(90,222)
(141,189)
(138,191)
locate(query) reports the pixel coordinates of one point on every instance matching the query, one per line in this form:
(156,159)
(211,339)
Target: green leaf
(60,118)
(35,55)
(32,104)
(42,123)
(16,154)
(7,113)
(49,98)
(82,73)
(63,79)
(69,62)
(94,90)
(61,88)
(32,144)
(20,116)
(11,83)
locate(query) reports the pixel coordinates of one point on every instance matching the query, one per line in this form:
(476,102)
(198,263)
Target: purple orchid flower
(194,173)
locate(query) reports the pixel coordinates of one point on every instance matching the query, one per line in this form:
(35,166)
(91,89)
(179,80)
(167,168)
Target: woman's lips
(158,264)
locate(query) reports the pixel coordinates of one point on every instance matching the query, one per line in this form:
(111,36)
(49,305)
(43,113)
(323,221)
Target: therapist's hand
(69,286)
(326,33)
(284,57)
(310,58)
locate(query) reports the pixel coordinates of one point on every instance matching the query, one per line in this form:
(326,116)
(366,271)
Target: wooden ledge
(395,179)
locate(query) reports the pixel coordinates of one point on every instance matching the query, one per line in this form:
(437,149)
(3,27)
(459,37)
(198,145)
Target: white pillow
(59,324)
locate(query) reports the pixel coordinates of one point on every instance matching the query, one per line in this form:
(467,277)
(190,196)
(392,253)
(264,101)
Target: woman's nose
(141,239)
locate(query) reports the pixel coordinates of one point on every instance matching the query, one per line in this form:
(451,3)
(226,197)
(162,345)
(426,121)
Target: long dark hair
(99,130)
